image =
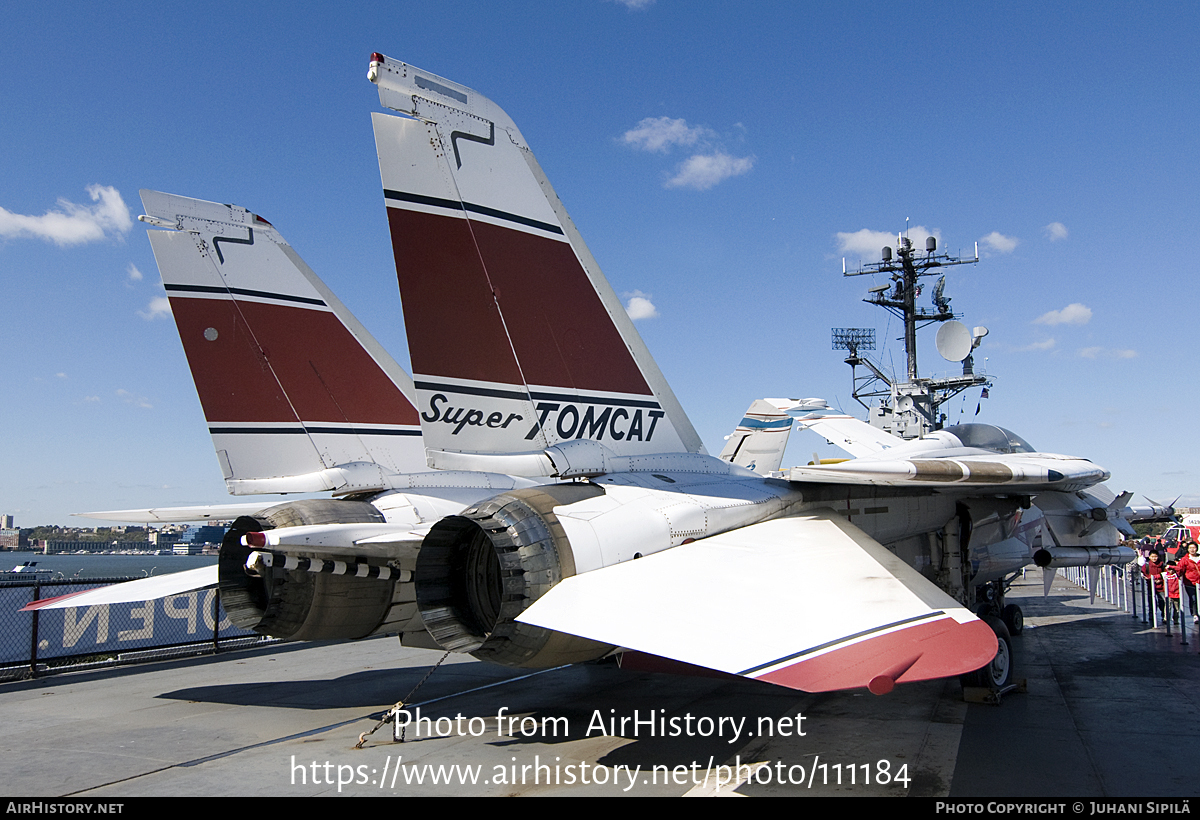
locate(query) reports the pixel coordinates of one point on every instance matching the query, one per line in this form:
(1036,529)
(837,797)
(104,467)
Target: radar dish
(954,341)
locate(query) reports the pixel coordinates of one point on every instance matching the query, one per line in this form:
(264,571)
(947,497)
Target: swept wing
(853,435)
(746,602)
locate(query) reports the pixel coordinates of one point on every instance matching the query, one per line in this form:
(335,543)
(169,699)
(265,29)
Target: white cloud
(159,308)
(1072,314)
(999,242)
(639,306)
(870,243)
(91,398)
(1048,344)
(1108,353)
(865,242)
(72,224)
(1055,231)
(710,163)
(130,398)
(135,275)
(635,5)
(703,171)
(660,133)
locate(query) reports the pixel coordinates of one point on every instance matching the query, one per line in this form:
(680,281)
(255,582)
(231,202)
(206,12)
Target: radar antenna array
(909,408)
(853,339)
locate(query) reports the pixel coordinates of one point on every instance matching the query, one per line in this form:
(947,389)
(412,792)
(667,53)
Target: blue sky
(718,158)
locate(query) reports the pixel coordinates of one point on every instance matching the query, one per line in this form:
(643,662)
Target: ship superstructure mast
(910,408)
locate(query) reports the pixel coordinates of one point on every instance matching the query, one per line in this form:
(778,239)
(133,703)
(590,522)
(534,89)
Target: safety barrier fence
(55,640)
(1127,588)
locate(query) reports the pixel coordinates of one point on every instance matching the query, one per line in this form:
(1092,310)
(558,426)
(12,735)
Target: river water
(107,566)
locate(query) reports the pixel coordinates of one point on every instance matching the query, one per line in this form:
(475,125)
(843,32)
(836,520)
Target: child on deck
(1171,577)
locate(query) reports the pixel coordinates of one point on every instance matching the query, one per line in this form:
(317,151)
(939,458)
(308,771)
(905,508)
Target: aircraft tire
(1013,618)
(999,673)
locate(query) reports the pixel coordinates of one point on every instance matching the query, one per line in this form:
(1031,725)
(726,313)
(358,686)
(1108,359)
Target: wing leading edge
(143,589)
(809,602)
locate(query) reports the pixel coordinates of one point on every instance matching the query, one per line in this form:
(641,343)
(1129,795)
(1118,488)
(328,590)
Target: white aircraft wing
(335,548)
(143,589)
(810,602)
(853,435)
(179,515)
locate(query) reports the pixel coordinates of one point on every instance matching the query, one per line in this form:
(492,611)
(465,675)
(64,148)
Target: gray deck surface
(1111,710)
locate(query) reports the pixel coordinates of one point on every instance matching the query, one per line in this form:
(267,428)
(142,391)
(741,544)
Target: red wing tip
(881,685)
(44,602)
(941,648)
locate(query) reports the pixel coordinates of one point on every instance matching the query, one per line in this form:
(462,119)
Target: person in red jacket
(1189,571)
(1170,576)
(1152,571)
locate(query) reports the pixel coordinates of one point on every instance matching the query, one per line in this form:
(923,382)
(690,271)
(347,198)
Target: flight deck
(1107,713)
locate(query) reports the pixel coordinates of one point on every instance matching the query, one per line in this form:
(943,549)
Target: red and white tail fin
(517,340)
(298,396)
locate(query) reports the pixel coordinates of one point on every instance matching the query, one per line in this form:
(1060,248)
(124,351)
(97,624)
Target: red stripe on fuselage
(560,330)
(325,372)
(937,649)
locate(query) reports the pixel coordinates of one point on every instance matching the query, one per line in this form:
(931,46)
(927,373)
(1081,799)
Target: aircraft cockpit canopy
(990,437)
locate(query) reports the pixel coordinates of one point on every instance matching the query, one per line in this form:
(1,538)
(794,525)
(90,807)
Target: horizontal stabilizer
(810,602)
(180,515)
(143,589)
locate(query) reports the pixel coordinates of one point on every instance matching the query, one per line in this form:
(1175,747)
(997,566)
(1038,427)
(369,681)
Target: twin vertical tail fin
(298,396)
(518,342)
(760,438)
